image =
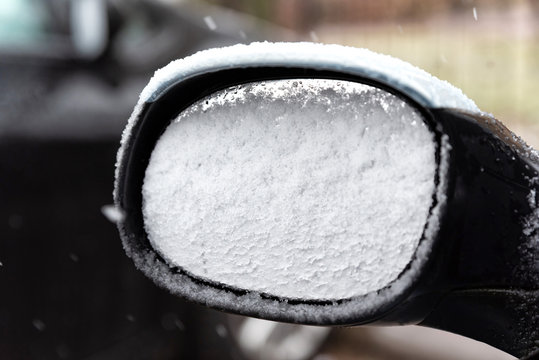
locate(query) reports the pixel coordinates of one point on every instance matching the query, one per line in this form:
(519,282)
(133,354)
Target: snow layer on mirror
(310,189)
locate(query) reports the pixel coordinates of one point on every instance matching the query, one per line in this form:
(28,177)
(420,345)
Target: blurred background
(70,74)
(488,48)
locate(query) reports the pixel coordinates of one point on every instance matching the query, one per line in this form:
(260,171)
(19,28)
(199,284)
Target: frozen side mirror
(328,185)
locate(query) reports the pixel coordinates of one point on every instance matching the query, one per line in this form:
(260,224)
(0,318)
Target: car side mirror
(329,185)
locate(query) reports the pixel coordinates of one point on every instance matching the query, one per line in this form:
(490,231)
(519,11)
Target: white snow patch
(313,189)
(15,221)
(210,23)
(113,213)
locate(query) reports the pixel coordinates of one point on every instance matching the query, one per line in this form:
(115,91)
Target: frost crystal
(317,189)
(420,85)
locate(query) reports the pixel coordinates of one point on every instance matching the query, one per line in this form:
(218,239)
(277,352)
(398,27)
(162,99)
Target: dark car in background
(70,73)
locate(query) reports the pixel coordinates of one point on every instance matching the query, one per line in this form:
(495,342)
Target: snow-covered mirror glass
(308,189)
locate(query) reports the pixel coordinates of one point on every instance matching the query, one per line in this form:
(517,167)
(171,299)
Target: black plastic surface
(483,276)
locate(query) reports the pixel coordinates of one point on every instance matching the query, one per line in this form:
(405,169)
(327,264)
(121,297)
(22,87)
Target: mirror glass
(309,189)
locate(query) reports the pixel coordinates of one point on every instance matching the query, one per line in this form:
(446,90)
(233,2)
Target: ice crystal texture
(303,188)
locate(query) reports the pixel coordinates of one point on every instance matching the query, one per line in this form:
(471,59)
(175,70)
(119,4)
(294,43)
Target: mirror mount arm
(485,257)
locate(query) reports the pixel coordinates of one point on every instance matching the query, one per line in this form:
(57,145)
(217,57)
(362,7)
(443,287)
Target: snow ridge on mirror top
(424,88)
(312,189)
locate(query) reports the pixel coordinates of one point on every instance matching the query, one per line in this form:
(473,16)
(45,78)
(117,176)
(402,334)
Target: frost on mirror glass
(305,188)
